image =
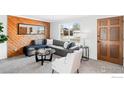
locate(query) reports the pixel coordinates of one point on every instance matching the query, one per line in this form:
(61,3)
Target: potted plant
(3,37)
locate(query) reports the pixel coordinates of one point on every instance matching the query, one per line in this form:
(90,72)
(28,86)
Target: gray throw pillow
(72,44)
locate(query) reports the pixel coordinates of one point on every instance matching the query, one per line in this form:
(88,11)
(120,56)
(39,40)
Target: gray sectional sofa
(58,45)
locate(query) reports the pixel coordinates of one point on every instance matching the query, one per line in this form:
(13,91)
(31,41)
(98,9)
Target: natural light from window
(70,32)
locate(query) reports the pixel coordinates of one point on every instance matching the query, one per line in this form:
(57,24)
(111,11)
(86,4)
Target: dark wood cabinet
(110,39)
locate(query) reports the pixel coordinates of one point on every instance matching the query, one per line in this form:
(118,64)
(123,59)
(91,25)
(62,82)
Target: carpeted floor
(22,64)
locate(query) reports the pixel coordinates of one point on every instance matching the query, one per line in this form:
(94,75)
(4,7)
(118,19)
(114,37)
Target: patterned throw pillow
(66,45)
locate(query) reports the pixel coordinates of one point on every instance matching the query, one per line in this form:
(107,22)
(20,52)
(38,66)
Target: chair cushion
(59,64)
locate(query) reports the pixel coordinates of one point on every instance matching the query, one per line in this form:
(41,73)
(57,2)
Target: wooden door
(110,39)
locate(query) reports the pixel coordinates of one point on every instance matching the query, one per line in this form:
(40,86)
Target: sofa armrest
(29,50)
(71,50)
(74,48)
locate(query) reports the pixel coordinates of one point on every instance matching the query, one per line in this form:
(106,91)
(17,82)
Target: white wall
(54,30)
(3,46)
(88,24)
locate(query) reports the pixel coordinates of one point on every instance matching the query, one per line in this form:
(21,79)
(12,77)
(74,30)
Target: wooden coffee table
(43,53)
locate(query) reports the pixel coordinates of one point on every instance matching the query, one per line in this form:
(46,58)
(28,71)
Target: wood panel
(17,42)
(110,39)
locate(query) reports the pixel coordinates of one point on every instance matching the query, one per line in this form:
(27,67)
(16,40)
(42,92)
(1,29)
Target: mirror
(28,29)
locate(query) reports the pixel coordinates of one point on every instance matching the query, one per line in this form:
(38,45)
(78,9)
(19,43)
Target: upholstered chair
(68,64)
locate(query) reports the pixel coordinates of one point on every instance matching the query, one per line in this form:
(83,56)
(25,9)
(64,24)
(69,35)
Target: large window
(70,32)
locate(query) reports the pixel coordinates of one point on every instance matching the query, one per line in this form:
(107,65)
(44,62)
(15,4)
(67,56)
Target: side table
(85,55)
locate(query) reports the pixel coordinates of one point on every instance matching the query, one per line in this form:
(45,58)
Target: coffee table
(43,53)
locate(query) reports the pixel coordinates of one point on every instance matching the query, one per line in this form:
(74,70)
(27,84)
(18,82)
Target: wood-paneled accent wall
(17,42)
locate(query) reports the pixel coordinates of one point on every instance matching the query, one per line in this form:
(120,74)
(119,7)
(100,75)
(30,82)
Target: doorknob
(98,35)
(98,41)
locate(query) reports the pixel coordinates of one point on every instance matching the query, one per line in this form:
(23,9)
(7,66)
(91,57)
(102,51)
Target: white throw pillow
(49,41)
(66,44)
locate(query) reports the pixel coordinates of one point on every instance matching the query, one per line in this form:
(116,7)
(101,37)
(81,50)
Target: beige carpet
(22,64)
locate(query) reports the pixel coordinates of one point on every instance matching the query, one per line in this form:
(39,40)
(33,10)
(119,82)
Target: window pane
(70,32)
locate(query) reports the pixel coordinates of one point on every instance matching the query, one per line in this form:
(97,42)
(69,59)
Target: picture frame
(30,29)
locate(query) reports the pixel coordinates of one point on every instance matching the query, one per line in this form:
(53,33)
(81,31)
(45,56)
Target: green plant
(3,37)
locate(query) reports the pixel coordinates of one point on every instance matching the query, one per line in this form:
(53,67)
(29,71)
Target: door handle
(98,41)
(98,35)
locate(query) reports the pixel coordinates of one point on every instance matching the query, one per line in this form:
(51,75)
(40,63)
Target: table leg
(36,57)
(88,53)
(51,56)
(42,60)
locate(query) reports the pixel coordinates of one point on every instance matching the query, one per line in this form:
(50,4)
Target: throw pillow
(66,45)
(71,44)
(44,42)
(49,41)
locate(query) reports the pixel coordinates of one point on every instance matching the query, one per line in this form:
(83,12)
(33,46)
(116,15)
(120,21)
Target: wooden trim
(121,40)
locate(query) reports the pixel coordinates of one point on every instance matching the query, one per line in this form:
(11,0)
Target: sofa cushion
(36,46)
(58,43)
(56,47)
(40,42)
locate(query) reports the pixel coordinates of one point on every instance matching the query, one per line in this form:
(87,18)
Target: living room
(18,52)
(66,46)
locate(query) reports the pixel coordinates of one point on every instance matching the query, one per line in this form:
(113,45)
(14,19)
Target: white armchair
(68,64)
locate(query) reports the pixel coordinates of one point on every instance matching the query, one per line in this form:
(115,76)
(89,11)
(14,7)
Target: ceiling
(52,18)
